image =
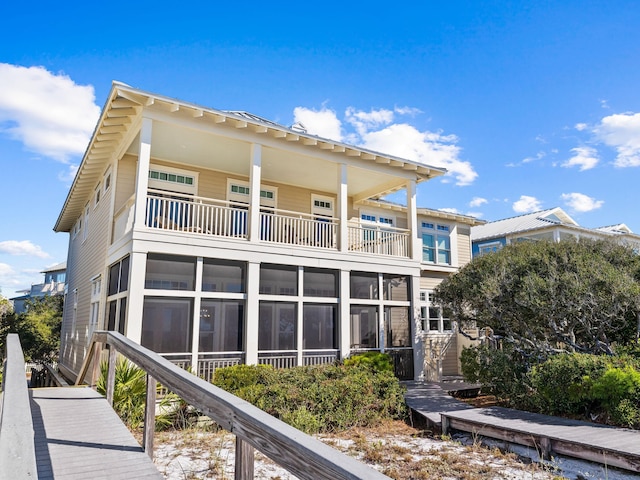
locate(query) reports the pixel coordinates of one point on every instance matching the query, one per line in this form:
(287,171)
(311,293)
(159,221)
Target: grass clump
(319,399)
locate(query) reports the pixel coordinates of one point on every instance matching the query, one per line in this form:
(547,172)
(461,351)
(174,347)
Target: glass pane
(444,256)
(122,316)
(427,240)
(320,283)
(278,280)
(364,326)
(114,279)
(124,275)
(397,326)
(111,319)
(434,324)
(166,324)
(277,326)
(396,287)
(364,285)
(446,324)
(221,326)
(223,276)
(167,272)
(319,327)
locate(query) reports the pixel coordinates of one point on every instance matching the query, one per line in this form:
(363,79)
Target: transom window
(171,177)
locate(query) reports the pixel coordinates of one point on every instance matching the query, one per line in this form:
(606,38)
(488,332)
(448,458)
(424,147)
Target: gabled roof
(55,268)
(522,223)
(121,115)
(620,228)
(441,214)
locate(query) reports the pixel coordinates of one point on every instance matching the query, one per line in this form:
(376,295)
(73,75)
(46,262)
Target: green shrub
(376,361)
(563,384)
(322,398)
(497,372)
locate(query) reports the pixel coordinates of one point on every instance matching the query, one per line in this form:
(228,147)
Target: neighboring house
(54,284)
(217,238)
(553,224)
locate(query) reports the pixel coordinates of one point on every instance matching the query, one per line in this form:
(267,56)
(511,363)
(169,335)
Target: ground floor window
(397,327)
(167,324)
(277,326)
(433,317)
(364,326)
(221,326)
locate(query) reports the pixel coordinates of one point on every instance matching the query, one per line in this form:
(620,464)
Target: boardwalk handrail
(17,448)
(299,453)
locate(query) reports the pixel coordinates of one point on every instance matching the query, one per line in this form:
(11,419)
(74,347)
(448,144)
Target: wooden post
(445,424)
(95,372)
(111,374)
(244,460)
(150,416)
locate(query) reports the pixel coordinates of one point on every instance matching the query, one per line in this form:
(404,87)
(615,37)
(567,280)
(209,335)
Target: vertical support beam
(255,174)
(195,339)
(245,456)
(95,371)
(253,307)
(149,416)
(418,342)
(111,374)
(135,307)
(300,318)
(446,428)
(142,174)
(382,321)
(412,221)
(345,314)
(342,211)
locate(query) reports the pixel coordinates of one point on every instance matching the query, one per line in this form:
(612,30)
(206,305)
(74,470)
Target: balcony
(219,218)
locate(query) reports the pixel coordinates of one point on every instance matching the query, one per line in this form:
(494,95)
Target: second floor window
(436,243)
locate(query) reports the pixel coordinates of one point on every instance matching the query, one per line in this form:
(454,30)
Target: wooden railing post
(95,373)
(245,455)
(111,374)
(150,416)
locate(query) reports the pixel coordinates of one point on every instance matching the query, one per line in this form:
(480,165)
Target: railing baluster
(111,374)
(245,457)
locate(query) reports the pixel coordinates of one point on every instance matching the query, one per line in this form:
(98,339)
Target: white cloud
(48,113)
(407,111)
(323,123)
(584,157)
(527,204)
(539,156)
(449,210)
(478,201)
(24,247)
(475,214)
(376,131)
(622,132)
(6,270)
(580,202)
(581,126)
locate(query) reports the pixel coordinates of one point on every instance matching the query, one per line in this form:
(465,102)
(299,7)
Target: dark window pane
(223,276)
(277,326)
(221,326)
(122,315)
(166,325)
(319,327)
(396,287)
(397,326)
(320,283)
(168,272)
(364,285)
(114,279)
(278,280)
(364,326)
(124,275)
(111,319)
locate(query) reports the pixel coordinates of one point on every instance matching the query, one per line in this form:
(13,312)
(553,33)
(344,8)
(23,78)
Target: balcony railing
(206,216)
(378,239)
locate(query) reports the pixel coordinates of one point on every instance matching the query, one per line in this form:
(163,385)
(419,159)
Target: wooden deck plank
(78,435)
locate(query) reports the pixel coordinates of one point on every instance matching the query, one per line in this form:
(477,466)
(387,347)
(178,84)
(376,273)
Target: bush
(497,372)
(376,361)
(322,398)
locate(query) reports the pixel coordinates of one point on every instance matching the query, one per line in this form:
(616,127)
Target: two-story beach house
(216,238)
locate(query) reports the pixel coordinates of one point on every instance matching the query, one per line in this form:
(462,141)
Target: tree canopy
(38,328)
(545,297)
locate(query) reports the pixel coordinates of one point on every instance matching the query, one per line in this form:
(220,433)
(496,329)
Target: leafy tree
(544,298)
(38,328)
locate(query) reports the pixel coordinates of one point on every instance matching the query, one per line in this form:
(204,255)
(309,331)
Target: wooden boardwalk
(619,447)
(79,436)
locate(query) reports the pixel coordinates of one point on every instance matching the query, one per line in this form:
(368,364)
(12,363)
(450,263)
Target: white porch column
(195,332)
(418,339)
(137,268)
(252,312)
(254,192)
(412,221)
(142,174)
(344,315)
(343,231)
(300,318)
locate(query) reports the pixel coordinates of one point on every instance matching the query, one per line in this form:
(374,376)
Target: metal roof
(521,223)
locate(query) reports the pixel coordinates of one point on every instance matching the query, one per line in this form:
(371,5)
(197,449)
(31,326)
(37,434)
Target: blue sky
(530,105)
